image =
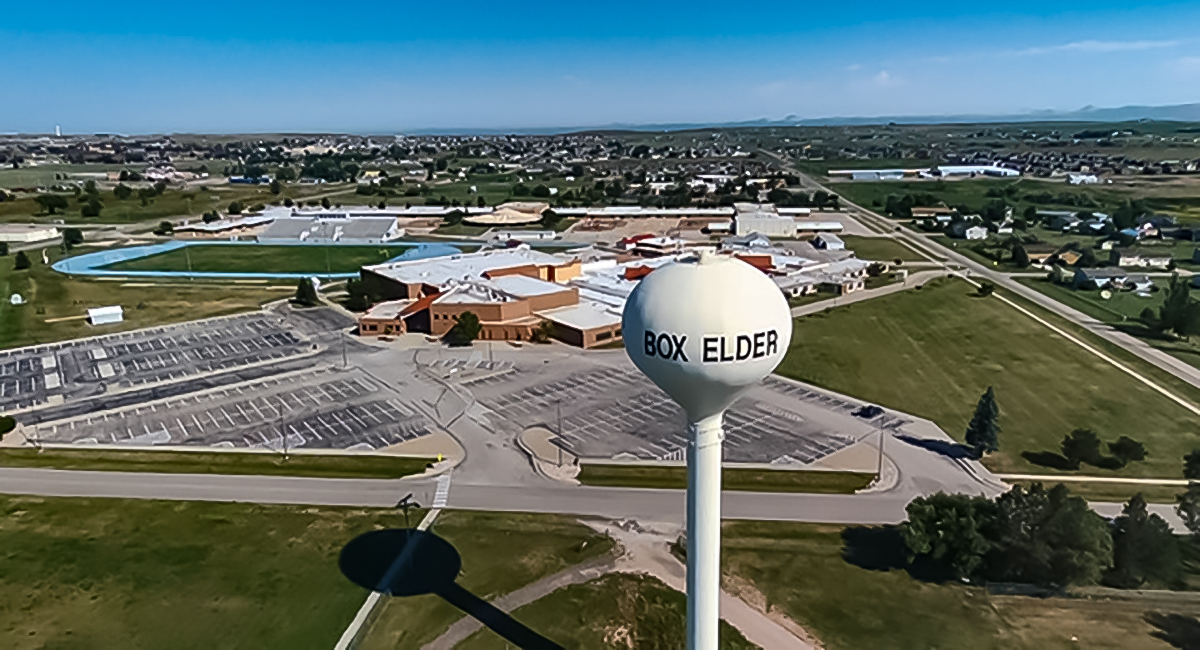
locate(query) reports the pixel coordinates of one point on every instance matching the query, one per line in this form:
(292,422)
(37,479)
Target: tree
(210,217)
(1087,258)
(325,203)
(52,202)
(122,191)
(1020,256)
(1127,450)
(466,328)
(1188,508)
(551,219)
(357,297)
(165,228)
(543,332)
(540,191)
(275,187)
(1174,309)
(1191,465)
(285,174)
(1047,537)
(453,217)
(950,528)
(983,432)
(92,207)
(306,293)
(1144,548)
(21,262)
(1081,445)
(985,289)
(236,207)
(1149,318)
(3,249)
(72,237)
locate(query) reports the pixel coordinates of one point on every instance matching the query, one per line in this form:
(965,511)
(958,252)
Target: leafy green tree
(1191,465)
(551,219)
(983,432)
(1081,446)
(520,189)
(306,293)
(357,297)
(1173,312)
(3,249)
(1144,548)
(950,528)
(285,174)
(52,202)
(236,207)
(275,187)
(540,191)
(1187,506)
(453,217)
(72,237)
(210,217)
(466,328)
(21,262)
(92,208)
(1047,537)
(122,191)
(165,228)
(1127,450)
(325,203)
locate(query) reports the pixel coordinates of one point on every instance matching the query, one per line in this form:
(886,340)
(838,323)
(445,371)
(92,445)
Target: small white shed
(106,315)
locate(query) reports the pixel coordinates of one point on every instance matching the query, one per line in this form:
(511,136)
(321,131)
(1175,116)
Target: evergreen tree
(1187,506)
(306,293)
(983,432)
(1020,256)
(22,261)
(1173,313)
(1191,465)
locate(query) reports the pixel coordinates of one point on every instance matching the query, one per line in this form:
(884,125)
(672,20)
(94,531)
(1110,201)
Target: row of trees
(1043,537)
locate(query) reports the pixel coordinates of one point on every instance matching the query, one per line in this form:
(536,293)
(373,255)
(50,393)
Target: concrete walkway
(914,280)
(644,552)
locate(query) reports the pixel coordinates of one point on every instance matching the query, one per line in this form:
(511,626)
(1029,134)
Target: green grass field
(616,611)
(501,553)
(171,204)
(264,259)
(882,249)
(737,479)
(179,462)
(107,573)
(1121,310)
(52,295)
(849,588)
(932,352)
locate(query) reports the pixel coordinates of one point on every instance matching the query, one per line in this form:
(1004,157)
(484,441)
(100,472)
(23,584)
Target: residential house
(1100,278)
(1139,258)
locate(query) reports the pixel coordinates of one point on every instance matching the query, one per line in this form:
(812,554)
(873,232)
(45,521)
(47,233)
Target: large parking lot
(615,413)
(317,409)
(86,367)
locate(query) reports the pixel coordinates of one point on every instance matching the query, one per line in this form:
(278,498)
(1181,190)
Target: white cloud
(1098,47)
(883,78)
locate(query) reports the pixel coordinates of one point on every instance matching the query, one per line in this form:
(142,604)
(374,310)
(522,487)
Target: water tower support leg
(704,533)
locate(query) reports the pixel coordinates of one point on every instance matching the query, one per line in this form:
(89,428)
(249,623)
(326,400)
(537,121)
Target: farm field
(883,249)
(933,351)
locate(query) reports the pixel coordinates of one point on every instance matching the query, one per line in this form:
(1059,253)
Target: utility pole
(283,426)
(345,364)
(560,431)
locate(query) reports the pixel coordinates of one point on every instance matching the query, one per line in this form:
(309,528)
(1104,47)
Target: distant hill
(1175,113)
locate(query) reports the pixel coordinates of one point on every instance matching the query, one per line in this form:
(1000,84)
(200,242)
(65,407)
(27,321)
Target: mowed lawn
(851,589)
(501,553)
(933,351)
(50,295)
(264,259)
(883,249)
(112,573)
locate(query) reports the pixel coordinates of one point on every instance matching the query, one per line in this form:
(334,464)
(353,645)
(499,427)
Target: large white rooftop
(468,266)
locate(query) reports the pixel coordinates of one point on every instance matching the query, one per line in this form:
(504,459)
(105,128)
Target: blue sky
(385,67)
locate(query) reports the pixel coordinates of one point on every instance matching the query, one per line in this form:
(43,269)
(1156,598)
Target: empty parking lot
(316,409)
(618,414)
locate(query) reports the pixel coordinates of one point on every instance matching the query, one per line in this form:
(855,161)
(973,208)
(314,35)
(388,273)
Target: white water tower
(705,330)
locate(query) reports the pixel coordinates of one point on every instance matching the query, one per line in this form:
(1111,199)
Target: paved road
(1135,346)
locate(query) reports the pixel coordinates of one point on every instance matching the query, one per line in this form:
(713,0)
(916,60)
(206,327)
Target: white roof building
(106,315)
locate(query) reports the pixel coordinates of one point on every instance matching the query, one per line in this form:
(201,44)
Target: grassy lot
(616,611)
(1119,492)
(107,573)
(883,249)
(52,295)
(932,352)
(51,174)
(264,259)
(1121,311)
(501,553)
(171,204)
(180,462)
(746,480)
(849,588)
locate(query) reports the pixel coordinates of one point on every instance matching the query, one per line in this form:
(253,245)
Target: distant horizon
(270,66)
(1184,114)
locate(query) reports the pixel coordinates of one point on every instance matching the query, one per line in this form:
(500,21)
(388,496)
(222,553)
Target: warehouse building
(26,233)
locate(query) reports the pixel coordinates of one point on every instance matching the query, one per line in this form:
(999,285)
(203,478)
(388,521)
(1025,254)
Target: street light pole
(879,465)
